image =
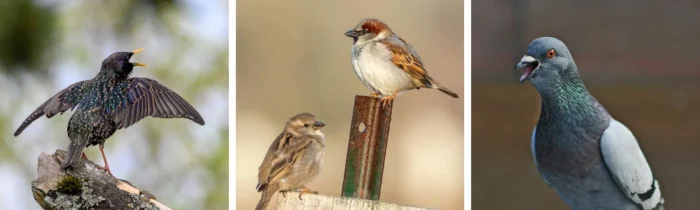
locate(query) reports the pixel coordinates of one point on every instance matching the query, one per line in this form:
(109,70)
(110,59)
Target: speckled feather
(108,102)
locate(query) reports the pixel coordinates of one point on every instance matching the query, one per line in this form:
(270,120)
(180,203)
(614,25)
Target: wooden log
(291,201)
(85,187)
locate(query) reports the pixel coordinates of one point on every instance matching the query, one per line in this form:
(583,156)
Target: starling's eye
(551,53)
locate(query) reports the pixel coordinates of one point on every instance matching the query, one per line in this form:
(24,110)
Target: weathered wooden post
(369,135)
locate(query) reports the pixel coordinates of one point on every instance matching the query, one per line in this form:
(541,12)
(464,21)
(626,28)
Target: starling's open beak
(136,52)
(319,124)
(528,65)
(352,33)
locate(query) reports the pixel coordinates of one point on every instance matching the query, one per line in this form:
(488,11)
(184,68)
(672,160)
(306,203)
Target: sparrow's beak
(319,124)
(136,52)
(528,65)
(351,33)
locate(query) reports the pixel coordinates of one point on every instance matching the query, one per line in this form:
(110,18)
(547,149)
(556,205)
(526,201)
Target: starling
(110,101)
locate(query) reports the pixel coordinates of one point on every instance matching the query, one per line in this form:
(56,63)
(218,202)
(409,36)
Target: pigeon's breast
(569,159)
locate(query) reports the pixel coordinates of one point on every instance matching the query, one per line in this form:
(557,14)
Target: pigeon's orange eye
(551,53)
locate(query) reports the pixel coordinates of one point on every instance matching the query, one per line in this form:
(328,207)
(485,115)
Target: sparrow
(110,101)
(387,64)
(293,160)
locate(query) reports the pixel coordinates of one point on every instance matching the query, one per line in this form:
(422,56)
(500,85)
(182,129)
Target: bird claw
(376,95)
(104,168)
(306,190)
(387,101)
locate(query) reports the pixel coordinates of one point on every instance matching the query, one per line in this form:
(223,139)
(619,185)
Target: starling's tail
(267,194)
(75,150)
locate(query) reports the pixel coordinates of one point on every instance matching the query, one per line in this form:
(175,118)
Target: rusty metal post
(369,135)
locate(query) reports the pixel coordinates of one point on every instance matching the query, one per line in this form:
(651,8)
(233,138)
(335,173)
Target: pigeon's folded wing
(629,168)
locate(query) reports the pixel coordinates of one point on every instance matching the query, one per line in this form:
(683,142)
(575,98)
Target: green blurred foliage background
(292,57)
(48,45)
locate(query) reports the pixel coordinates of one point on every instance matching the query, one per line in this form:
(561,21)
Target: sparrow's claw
(305,190)
(284,193)
(387,100)
(376,95)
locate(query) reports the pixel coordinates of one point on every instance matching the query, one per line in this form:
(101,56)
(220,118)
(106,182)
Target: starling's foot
(305,190)
(106,168)
(84,156)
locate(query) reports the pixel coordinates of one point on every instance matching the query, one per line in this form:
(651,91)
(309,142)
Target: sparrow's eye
(551,53)
(306,125)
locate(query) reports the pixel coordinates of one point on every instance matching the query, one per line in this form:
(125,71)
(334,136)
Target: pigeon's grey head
(547,60)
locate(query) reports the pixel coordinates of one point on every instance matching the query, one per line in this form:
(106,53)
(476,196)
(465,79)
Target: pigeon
(592,160)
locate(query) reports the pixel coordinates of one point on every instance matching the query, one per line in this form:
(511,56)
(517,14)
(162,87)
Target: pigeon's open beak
(136,52)
(528,65)
(352,33)
(319,124)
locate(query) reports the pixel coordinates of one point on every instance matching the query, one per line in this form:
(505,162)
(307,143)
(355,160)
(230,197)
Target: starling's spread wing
(283,153)
(143,97)
(66,99)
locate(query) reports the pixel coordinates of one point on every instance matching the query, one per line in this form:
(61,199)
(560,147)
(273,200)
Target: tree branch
(85,187)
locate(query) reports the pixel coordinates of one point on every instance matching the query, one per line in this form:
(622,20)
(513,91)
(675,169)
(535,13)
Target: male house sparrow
(387,64)
(293,160)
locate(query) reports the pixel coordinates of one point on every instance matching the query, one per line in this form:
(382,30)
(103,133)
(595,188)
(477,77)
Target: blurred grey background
(292,57)
(50,44)
(638,58)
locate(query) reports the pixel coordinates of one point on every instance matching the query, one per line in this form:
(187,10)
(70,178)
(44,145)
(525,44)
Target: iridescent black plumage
(108,102)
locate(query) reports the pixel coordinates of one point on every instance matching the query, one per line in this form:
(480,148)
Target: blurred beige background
(292,57)
(640,62)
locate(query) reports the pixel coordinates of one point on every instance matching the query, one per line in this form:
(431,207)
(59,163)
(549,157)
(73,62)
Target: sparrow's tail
(75,150)
(429,82)
(267,194)
(448,92)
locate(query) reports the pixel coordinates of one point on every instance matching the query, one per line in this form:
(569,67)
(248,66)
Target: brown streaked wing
(152,99)
(282,164)
(405,60)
